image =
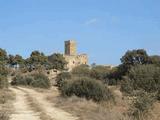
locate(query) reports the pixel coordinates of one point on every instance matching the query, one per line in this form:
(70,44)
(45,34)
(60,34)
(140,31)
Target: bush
(86,88)
(105,74)
(57,61)
(127,85)
(28,80)
(111,82)
(19,80)
(143,77)
(3,71)
(141,105)
(38,80)
(100,72)
(3,76)
(82,70)
(114,76)
(3,82)
(62,77)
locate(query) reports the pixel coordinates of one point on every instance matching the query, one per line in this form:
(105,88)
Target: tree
(3,69)
(19,60)
(3,56)
(57,61)
(133,58)
(37,60)
(13,60)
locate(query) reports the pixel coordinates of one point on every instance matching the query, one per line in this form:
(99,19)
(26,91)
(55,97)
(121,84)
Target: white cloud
(91,21)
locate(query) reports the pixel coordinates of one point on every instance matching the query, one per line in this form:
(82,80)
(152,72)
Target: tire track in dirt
(48,108)
(21,107)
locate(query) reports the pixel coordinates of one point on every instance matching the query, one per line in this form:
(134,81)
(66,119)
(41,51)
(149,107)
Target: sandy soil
(23,111)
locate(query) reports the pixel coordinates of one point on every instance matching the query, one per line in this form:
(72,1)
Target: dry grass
(37,108)
(4,115)
(34,105)
(6,96)
(89,110)
(155,112)
(6,99)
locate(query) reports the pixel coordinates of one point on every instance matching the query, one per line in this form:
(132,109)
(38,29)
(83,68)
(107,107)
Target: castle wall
(71,55)
(77,60)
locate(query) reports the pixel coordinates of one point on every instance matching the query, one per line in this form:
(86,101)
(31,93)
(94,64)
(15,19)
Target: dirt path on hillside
(21,108)
(44,106)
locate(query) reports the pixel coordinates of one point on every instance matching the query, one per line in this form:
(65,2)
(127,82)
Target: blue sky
(104,29)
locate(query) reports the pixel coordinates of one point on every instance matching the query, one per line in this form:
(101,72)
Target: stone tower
(72,58)
(70,48)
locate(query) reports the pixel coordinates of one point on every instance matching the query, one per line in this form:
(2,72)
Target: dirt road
(24,110)
(21,108)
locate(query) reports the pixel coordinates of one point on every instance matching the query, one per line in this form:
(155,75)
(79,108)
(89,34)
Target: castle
(73,59)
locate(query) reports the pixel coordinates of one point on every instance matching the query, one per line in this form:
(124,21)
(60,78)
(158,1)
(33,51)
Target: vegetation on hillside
(57,61)
(38,80)
(5,94)
(138,76)
(86,88)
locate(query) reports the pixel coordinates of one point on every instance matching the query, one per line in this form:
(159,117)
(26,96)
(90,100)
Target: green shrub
(36,80)
(19,80)
(86,88)
(28,80)
(57,61)
(141,105)
(100,72)
(40,81)
(82,70)
(3,71)
(142,77)
(3,76)
(146,77)
(110,81)
(127,85)
(62,77)
(3,82)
